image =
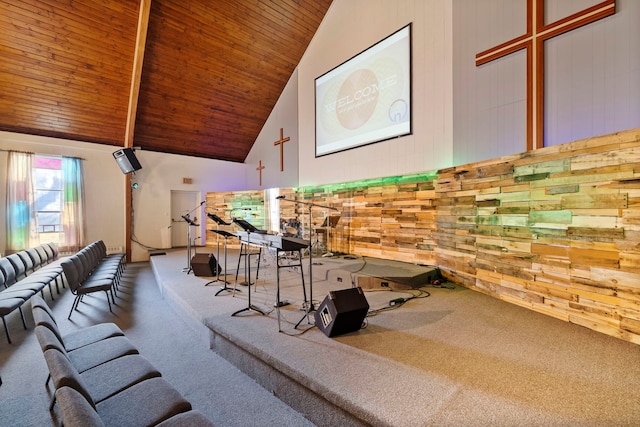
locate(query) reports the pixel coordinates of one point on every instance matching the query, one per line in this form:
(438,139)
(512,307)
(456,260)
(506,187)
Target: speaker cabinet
(342,312)
(200,265)
(127,160)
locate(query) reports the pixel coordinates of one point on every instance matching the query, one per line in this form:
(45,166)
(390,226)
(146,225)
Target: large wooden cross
(281,142)
(533,41)
(259,169)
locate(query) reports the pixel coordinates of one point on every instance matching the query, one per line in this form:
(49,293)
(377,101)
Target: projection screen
(366,99)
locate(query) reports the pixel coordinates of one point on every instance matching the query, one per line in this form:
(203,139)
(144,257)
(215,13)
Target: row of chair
(92,270)
(100,378)
(25,274)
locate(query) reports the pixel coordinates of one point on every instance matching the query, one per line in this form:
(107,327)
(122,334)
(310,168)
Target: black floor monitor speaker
(204,265)
(127,160)
(342,312)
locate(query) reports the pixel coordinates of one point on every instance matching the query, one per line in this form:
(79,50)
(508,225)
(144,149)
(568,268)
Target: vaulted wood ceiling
(212,70)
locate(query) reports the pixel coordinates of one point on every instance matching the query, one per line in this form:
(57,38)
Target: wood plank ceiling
(212,70)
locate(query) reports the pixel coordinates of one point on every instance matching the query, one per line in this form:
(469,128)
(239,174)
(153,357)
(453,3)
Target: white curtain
(21,207)
(73,212)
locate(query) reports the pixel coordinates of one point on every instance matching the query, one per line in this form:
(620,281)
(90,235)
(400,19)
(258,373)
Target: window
(45,201)
(47,187)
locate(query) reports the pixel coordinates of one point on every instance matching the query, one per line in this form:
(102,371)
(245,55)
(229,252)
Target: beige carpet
(456,357)
(212,385)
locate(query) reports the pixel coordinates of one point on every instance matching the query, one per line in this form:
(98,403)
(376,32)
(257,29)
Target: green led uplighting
(366,183)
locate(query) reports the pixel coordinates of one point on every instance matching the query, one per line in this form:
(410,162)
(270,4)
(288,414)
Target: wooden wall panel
(558,235)
(554,230)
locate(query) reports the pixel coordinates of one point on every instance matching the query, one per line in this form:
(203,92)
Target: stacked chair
(92,270)
(25,274)
(100,379)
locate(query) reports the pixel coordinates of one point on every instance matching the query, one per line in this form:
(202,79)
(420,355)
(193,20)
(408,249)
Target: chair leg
(22,317)
(109,301)
(6,330)
(73,306)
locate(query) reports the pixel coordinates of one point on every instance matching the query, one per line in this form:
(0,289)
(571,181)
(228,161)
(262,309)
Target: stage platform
(299,364)
(446,356)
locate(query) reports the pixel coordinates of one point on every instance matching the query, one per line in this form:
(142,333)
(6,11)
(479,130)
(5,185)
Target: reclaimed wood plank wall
(229,205)
(385,219)
(555,230)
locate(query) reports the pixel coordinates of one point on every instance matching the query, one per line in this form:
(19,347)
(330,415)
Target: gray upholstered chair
(90,355)
(145,403)
(75,409)
(79,287)
(102,381)
(7,306)
(42,315)
(191,418)
(10,274)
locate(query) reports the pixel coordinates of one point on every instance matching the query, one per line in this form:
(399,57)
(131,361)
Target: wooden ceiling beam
(134,93)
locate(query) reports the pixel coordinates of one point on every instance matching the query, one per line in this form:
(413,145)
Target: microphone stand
(309,304)
(190,223)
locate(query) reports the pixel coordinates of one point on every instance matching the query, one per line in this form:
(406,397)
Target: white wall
(105,187)
(591,77)
(285,116)
(162,173)
(104,183)
(352,26)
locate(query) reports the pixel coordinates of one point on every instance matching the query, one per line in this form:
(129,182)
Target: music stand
(309,304)
(249,228)
(330,222)
(225,235)
(219,221)
(190,223)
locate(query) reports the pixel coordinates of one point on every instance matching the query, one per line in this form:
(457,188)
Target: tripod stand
(309,307)
(190,223)
(225,234)
(247,267)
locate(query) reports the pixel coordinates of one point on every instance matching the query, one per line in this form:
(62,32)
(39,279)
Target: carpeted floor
(452,357)
(456,357)
(213,386)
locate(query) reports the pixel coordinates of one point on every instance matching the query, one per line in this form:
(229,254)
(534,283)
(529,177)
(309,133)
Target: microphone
(280,197)
(203,202)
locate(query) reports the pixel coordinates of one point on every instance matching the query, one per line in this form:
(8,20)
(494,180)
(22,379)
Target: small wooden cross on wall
(281,142)
(259,169)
